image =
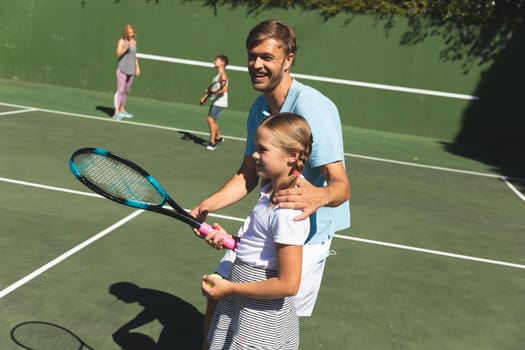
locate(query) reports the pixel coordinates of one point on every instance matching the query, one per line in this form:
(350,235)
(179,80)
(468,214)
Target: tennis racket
(38,335)
(210,90)
(124,182)
(214,87)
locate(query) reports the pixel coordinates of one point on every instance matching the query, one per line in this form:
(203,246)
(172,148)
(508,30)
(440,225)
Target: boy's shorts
(215,111)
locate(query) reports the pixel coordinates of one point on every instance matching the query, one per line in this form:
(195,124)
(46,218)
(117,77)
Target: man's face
(267,65)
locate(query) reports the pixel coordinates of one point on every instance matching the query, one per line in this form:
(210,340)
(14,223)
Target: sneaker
(211,147)
(117,116)
(221,140)
(126,114)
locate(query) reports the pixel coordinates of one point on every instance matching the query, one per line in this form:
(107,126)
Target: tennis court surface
(434,259)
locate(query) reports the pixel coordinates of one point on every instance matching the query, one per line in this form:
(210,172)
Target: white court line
(244,140)
(513,188)
(67,254)
(318,78)
(226,217)
(468,172)
(362,240)
(59,189)
(459,171)
(111,120)
(18,111)
(433,252)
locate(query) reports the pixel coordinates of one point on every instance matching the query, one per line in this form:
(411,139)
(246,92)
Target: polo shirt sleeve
(323,117)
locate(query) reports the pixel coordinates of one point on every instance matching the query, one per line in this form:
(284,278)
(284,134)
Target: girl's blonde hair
(291,133)
(128,27)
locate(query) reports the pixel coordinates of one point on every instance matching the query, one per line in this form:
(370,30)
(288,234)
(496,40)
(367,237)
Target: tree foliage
(465,11)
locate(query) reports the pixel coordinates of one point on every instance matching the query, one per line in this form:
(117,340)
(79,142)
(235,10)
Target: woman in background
(127,68)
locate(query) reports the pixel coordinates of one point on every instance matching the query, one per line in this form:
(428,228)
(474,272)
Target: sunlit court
(428,97)
(435,251)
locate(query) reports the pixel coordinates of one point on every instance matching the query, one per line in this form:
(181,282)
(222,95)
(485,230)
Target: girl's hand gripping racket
(124,182)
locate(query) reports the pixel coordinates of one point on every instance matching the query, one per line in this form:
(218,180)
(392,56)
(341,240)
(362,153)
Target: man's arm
(309,198)
(235,189)
(144,317)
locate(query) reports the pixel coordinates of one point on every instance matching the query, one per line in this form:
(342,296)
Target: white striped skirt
(248,323)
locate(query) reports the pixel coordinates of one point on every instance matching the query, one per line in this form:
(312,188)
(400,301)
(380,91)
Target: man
(323,194)
(180,320)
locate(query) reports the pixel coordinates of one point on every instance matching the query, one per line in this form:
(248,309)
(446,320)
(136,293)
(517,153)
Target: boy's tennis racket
(38,335)
(124,182)
(214,87)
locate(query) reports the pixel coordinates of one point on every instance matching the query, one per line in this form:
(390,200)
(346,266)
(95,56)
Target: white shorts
(314,260)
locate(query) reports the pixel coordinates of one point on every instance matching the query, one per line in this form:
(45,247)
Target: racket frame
(210,89)
(178,212)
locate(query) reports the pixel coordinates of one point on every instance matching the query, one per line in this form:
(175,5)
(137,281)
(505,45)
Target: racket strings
(214,87)
(117,178)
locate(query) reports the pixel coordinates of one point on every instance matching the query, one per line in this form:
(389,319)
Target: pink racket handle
(228,242)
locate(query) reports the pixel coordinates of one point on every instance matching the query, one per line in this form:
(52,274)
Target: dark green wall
(72,43)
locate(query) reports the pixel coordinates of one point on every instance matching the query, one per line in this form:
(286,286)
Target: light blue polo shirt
(323,117)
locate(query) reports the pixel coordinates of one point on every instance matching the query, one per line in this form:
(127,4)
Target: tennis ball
(212,276)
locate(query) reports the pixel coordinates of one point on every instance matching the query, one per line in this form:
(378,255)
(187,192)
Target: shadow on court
(508,164)
(194,138)
(41,334)
(492,127)
(182,322)
(106,110)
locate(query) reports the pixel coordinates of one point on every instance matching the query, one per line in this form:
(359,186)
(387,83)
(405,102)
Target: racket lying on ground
(38,335)
(124,182)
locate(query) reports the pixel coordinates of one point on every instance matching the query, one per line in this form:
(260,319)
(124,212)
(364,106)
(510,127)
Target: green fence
(72,43)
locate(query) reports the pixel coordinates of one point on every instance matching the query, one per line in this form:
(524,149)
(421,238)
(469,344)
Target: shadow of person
(492,127)
(189,136)
(135,341)
(182,322)
(107,110)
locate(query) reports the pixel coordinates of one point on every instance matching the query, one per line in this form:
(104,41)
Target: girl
(127,68)
(256,308)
